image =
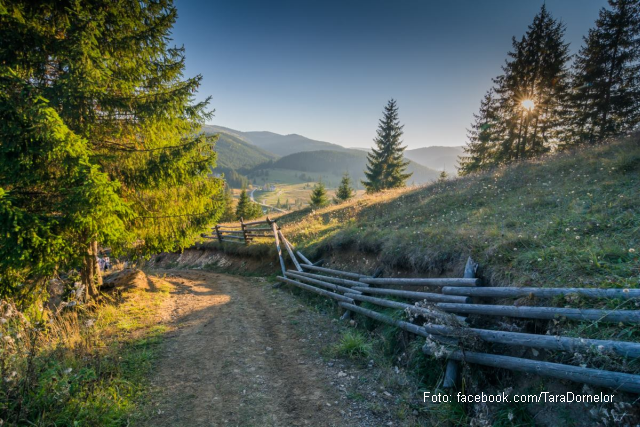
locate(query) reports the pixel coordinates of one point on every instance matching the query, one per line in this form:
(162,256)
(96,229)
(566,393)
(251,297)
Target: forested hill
(338,162)
(234,152)
(279,145)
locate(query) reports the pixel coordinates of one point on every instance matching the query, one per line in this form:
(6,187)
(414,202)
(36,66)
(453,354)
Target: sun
(528,104)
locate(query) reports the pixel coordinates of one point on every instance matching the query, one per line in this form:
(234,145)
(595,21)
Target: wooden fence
(443,323)
(245,232)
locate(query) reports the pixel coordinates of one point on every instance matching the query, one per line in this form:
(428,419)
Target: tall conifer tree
(536,71)
(319,196)
(99,138)
(345,191)
(606,85)
(386,164)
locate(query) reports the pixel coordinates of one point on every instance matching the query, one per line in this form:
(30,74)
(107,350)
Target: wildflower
(632,251)
(567,229)
(539,259)
(577,237)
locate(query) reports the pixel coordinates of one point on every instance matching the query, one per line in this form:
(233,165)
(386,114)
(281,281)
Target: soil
(238,356)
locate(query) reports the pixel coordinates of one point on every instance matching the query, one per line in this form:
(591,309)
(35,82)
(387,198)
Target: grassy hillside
(436,157)
(569,220)
(337,162)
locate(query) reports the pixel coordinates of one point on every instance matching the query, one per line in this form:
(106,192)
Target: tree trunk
(91,274)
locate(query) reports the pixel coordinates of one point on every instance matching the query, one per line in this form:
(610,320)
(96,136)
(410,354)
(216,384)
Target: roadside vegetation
(89,366)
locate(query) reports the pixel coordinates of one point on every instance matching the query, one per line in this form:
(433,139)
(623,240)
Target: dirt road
(232,359)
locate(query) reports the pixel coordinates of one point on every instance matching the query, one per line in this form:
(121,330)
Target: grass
(88,367)
(354,345)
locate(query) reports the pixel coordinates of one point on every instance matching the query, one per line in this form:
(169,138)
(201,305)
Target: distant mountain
(234,151)
(436,157)
(283,145)
(280,145)
(338,162)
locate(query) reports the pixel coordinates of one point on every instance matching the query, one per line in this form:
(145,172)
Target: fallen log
(514,292)
(615,380)
(268,222)
(320,283)
(319,291)
(410,327)
(347,274)
(337,280)
(275,235)
(413,295)
(626,316)
(304,258)
(421,282)
(404,306)
(289,249)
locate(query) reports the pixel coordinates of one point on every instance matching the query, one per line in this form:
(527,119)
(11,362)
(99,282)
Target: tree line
(542,103)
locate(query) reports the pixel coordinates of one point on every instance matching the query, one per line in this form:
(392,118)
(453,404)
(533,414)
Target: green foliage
(443,176)
(507,130)
(246,209)
(319,197)
(345,191)
(354,345)
(606,85)
(99,138)
(229,213)
(386,164)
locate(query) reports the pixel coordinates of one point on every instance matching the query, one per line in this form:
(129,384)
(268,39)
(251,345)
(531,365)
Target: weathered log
(321,283)
(410,327)
(514,292)
(260,222)
(452,373)
(626,316)
(232,232)
(334,272)
(257,229)
(319,291)
(421,281)
(412,295)
(404,306)
(615,380)
(304,258)
(275,235)
(290,251)
(232,241)
(548,342)
(229,227)
(224,236)
(337,280)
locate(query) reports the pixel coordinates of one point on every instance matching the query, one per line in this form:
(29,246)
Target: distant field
(286,176)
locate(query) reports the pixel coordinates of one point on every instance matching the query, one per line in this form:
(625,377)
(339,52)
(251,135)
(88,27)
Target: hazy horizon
(318,69)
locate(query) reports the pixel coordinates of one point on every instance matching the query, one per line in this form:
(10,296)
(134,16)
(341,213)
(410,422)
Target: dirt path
(232,359)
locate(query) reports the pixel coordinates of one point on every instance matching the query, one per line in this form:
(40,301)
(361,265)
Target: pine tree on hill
(246,209)
(345,191)
(229,213)
(319,197)
(100,139)
(525,114)
(606,83)
(386,164)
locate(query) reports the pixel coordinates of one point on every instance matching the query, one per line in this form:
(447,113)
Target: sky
(326,69)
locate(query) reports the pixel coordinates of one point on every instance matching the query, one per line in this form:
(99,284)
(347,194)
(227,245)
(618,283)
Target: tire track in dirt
(233,360)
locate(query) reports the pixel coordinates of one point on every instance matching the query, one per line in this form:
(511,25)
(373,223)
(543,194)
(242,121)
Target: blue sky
(325,69)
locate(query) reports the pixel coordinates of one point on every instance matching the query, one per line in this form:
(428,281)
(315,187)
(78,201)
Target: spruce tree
(386,164)
(484,137)
(99,136)
(246,209)
(345,191)
(229,213)
(606,85)
(537,71)
(319,197)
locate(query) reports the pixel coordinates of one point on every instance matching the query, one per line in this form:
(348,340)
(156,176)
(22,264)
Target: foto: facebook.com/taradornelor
(505,397)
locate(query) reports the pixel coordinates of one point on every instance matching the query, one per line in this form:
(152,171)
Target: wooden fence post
(274,227)
(244,231)
(452,372)
(218,234)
